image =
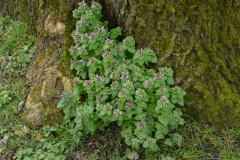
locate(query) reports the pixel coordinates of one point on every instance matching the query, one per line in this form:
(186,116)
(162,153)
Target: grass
(16,48)
(14,35)
(200,141)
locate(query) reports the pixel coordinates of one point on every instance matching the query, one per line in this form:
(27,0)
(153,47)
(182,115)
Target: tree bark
(200,41)
(49,69)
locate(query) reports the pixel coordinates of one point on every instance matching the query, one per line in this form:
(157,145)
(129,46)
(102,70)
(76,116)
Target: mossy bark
(198,39)
(49,72)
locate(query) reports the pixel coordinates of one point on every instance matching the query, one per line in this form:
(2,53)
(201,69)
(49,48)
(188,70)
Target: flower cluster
(98,79)
(149,82)
(122,93)
(135,141)
(114,74)
(140,53)
(109,41)
(140,92)
(114,85)
(162,90)
(129,104)
(141,124)
(158,75)
(115,101)
(98,98)
(82,4)
(119,49)
(3,142)
(163,102)
(93,35)
(117,112)
(102,30)
(87,82)
(106,54)
(176,89)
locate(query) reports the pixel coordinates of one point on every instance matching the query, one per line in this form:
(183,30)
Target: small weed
(16,47)
(5,98)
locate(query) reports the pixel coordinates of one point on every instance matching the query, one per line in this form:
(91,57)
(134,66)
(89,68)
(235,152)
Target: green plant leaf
(164,119)
(168,142)
(180,102)
(159,135)
(170,80)
(83,74)
(132,155)
(114,33)
(131,50)
(154,59)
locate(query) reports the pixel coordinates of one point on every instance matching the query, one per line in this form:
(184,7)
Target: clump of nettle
(112,84)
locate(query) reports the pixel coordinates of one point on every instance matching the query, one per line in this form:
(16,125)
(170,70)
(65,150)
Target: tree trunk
(49,70)
(198,39)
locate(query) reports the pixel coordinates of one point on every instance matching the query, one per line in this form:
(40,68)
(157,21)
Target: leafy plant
(5,98)
(113,85)
(48,150)
(3,143)
(47,147)
(16,47)
(25,55)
